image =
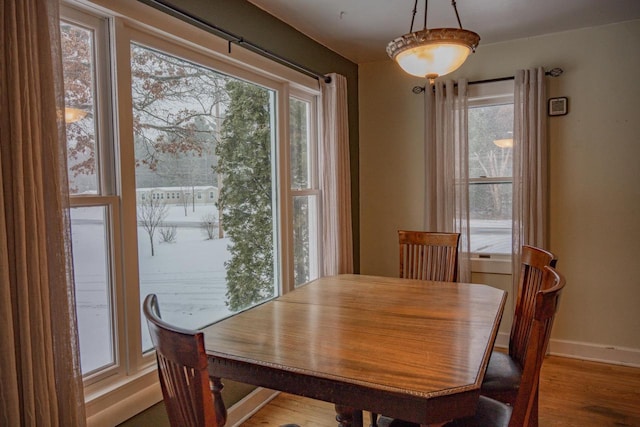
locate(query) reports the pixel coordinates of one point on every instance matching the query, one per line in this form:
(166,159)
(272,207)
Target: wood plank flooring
(572,393)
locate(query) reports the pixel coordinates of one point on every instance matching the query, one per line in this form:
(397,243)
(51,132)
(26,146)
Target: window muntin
(490,177)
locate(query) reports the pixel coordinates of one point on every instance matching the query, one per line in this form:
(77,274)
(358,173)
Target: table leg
(219,408)
(348,417)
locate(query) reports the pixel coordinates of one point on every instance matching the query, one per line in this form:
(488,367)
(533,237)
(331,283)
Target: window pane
(300,152)
(305,238)
(489,126)
(199,134)
(79,97)
(93,293)
(490,217)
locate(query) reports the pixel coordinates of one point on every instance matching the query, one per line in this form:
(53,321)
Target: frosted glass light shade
(433,52)
(73,114)
(504,143)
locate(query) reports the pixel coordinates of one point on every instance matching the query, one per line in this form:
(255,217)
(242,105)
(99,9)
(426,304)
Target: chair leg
(374,420)
(533,419)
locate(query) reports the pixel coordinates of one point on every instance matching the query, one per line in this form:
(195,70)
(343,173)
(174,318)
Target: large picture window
(198,131)
(191,177)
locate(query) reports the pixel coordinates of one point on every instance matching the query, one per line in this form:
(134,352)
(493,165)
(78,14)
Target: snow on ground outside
(188,276)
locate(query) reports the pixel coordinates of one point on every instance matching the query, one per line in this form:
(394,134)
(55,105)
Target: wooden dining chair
(191,399)
(504,372)
(493,413)
(428,255)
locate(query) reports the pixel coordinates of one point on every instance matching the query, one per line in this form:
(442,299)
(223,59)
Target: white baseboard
(596,353)
(502,340)
(586,351)
(249,405)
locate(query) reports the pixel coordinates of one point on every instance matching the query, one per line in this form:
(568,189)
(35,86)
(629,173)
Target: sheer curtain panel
(530,164)
(335,179)
(39,363)
(447,165)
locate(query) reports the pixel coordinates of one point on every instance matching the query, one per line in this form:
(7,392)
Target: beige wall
(595,171)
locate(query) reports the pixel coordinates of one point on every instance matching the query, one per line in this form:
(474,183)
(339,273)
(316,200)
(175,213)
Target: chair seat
(490,413)
(502,378)
(390,422)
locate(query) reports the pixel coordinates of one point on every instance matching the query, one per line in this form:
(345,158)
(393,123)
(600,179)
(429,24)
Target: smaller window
(304,189)
(490,174)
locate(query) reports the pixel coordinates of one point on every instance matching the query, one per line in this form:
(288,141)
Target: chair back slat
(190,398)
(533,262)
(428,256)
(544,309)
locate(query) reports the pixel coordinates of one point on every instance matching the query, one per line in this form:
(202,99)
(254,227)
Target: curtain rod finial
(555,72)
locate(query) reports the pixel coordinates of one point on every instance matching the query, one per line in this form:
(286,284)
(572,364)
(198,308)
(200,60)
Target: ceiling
(359,30)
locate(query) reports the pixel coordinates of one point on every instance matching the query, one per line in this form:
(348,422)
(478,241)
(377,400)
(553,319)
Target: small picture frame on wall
(558,106)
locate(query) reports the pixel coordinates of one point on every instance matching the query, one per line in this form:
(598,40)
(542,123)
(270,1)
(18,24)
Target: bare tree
(185,197)
(208,224)
(151,212)
(168,234)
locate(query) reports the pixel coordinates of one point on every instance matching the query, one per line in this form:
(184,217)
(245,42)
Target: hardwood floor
(572,393)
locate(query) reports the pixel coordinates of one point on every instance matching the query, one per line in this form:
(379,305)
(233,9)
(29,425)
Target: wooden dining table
(408,349)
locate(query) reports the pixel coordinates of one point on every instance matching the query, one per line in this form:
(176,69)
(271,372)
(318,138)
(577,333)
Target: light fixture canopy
(433,52)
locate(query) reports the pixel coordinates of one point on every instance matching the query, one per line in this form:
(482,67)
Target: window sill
(111,402)
(497,265)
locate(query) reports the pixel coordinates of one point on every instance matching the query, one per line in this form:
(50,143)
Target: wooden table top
(404,348)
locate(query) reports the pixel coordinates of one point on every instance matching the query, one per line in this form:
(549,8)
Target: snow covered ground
(188,276)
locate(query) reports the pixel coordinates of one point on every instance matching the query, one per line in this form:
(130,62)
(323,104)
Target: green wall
(156,416)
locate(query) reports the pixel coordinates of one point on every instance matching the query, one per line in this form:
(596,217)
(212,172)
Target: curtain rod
(554,72)
(234,38)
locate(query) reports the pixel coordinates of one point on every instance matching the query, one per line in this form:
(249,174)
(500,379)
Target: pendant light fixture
(433,52)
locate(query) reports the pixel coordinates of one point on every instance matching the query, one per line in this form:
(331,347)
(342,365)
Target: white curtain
(39,361)
(447,165)
(335,179)
(530,163)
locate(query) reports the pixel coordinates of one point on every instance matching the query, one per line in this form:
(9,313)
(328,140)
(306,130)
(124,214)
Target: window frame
(482,95)
(105,196)
(313,187)
(132,385)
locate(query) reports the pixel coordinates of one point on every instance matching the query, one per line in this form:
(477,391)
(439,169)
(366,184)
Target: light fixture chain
(455,8)
(426,8)
(413,16)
